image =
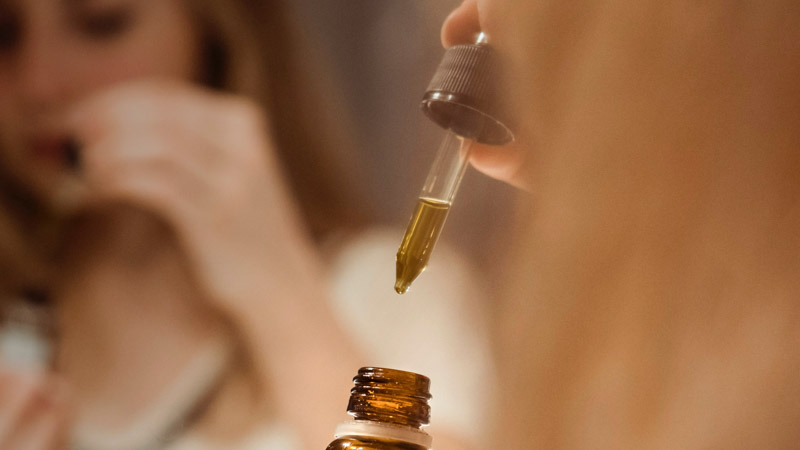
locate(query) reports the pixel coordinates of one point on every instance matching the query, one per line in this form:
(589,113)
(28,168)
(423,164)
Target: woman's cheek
(496,20)
(486,15)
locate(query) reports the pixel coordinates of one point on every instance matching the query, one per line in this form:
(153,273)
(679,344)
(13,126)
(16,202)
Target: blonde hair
(257,49)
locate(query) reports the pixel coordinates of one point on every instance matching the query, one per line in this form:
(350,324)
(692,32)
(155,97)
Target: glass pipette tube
(432,208)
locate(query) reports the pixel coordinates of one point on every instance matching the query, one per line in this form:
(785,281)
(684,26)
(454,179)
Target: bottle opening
(391,397)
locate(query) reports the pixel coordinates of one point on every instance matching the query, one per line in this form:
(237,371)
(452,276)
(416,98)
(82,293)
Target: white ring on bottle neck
(371,429)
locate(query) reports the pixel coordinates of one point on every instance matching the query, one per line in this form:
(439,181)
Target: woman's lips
(51,149)
(62,150)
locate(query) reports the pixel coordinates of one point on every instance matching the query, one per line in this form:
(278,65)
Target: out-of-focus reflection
(175,182)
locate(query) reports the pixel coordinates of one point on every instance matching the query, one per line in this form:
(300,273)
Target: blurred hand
(32,412)
(205,163)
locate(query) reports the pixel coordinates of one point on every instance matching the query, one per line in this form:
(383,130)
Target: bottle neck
(390,397)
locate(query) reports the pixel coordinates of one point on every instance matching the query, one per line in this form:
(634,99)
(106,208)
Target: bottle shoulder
(371,443)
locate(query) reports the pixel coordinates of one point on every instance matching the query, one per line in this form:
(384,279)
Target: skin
(175,241)
(652,298)
(37,417)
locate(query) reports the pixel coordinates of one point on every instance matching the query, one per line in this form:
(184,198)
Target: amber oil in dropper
(433,205)
(421,235)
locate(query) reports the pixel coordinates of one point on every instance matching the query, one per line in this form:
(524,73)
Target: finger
(508,163)
(48,429)
(191,131)
(462,26)
(199,164)
(149,157)
(20,399)
(141,105)
(220,131)
(45,431)
(173,193)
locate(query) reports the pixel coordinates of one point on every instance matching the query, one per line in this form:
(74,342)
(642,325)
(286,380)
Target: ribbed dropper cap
(465,94)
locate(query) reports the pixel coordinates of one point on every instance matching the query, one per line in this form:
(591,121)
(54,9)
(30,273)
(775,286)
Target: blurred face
(56,52)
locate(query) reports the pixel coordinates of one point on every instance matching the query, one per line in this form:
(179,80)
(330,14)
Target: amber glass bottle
(389,408)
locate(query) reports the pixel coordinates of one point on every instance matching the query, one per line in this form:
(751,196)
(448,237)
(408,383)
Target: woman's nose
(462,25)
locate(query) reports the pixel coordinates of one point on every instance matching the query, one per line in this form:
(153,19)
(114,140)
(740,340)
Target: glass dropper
(461,98)
(432,207)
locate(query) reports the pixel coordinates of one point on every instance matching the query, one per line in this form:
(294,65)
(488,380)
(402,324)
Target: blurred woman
(151,155)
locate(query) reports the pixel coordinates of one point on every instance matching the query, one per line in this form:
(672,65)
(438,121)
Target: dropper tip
(408,269)
(401,286)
